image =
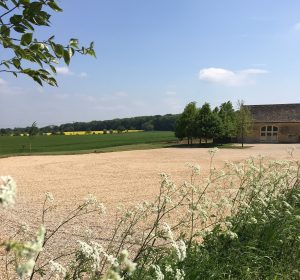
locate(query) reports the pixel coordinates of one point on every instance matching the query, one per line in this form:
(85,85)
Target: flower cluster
(7,191)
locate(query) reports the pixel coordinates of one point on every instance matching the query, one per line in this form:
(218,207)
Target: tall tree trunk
(243,136)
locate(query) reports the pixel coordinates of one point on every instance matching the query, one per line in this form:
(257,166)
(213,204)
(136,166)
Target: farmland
(63,144)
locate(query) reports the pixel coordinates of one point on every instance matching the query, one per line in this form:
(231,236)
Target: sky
(154,57)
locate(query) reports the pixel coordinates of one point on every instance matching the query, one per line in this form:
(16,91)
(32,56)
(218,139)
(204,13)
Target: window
(269,132)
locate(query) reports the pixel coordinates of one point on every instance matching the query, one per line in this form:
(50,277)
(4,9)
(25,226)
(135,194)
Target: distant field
(61,144)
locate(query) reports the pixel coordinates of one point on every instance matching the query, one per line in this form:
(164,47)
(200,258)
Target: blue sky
(153,57)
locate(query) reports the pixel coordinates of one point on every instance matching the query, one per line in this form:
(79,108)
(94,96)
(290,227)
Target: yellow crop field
(95,132)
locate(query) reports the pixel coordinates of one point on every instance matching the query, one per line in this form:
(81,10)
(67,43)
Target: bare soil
(114,178)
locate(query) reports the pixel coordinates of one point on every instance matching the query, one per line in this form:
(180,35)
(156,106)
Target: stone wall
(287,133)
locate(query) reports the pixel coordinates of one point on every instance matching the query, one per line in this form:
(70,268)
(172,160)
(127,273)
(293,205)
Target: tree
(243,121)
(208,123)
(33,131)
(228,118)
(27,54)
(185,124)
(147,126)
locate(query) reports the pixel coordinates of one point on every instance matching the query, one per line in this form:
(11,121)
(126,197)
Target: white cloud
(230,78)
(297,27)
(169,92)
(83,75)
(64,71)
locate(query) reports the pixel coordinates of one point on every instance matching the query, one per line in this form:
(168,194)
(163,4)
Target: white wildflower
(113,275)
(180,247)
(57,269)
(25,269)
(253,221)
(213,151)
(180,250)
(195,168)
(24,228)
(297,217)
(92,201)
(92,252)
(169,268)
(232,235)
(158,273)
(129,266)
(179,274)
(7,191)
(49,197)
(29,251)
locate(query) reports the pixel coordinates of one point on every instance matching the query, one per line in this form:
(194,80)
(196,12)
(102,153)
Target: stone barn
(275,123)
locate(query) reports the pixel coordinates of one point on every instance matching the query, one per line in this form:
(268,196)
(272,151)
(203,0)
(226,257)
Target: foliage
(243,121)
(208,123)
(222,124)
(26,54)
(158,123)
(185,125)
(228,118)
(241,222)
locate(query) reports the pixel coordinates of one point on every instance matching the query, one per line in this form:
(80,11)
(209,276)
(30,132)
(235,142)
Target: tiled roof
(275,112)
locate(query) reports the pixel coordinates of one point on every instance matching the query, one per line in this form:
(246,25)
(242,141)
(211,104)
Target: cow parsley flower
(179,274)
(29,251)
(57,269)
(129,266)
(158,273)
(92,252)
(7,191)
(49,197)
(213,151)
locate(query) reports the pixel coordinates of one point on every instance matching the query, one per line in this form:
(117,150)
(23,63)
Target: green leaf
(54,7)
(16,63)
(5,31)
(59,50)
(73,43)
(26,39)
(67,57)
(53,69)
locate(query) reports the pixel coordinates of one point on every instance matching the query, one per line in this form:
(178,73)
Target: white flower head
(91,201)
(8,189)
(158,273)
(195,168)
(57,269)
(213,151)
(49,197)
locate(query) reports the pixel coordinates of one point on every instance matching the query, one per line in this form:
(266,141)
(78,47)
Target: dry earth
(114,178)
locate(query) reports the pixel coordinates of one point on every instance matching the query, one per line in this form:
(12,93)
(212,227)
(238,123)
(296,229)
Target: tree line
(222,124)
(147,123)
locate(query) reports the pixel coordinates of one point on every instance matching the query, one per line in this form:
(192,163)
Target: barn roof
(275,112)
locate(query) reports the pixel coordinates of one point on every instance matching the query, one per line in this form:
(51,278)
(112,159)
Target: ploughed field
(114,178)
(66,144)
